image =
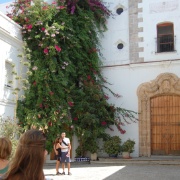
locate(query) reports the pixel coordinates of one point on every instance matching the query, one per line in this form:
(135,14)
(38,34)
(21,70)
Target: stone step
(156,160)
(159,160)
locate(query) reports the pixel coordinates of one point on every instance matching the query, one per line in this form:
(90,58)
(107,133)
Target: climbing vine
(65,89)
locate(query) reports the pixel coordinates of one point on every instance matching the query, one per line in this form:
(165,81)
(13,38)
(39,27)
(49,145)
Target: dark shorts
(58,158)
(64,158)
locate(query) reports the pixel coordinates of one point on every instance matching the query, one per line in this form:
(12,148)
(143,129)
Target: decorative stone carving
(164,84)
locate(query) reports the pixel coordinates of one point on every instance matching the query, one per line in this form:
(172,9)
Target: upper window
(165,37)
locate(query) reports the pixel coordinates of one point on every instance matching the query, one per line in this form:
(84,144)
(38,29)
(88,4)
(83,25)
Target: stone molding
(134,31)
(164,84)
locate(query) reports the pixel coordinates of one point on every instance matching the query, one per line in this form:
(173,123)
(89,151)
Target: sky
(4,1)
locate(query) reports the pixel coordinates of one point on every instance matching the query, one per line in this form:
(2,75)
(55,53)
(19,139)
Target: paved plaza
(115,172)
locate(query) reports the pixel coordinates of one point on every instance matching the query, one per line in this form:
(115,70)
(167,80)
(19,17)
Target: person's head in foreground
(29,158)
(5,148)
(5,152)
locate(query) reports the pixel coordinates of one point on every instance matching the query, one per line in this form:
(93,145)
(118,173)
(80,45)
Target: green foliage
(112,145)
(65,89)
(128,146)
(10,129)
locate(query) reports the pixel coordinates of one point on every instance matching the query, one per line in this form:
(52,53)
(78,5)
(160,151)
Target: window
(119,11)
(8,74)
(165,37)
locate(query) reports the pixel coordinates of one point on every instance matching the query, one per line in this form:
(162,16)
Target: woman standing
(5,152)
(57,150)
(29,158)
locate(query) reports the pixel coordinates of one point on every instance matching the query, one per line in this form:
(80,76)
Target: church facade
(142,62)
(141,51)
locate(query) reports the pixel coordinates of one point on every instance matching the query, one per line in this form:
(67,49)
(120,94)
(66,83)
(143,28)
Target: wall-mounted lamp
(120,46)
(119,11)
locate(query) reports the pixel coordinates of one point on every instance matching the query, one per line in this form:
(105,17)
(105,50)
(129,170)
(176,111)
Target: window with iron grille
(165,37)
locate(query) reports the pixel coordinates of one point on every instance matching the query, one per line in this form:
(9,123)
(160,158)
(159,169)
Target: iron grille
(166,43)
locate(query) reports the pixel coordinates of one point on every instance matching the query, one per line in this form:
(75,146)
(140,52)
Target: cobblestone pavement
(116,172)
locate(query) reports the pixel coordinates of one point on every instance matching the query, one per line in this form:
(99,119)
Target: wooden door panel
(165,125)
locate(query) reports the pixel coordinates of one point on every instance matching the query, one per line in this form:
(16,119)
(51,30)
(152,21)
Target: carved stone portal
(164,84)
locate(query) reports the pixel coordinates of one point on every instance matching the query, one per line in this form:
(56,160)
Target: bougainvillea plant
(66,89)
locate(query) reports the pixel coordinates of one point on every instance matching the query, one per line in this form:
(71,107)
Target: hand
(68,154)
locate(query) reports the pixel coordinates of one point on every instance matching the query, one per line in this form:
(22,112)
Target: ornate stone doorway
(167,86)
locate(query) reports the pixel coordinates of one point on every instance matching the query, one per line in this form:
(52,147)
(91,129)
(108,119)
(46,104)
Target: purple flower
(73,9)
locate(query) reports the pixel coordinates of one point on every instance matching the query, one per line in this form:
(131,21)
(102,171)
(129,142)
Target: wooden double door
(165,125)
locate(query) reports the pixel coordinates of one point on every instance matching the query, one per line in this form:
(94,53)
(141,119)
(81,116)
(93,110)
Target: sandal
(58,173)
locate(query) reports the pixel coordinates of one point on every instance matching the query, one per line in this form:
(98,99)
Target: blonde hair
(5,148)
(29,157)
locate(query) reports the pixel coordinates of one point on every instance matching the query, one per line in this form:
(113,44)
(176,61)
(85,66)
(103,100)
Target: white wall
(155,12)
(10,44)
(125,81)
(118,32)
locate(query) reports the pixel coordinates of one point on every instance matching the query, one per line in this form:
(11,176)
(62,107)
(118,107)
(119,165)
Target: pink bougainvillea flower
(41,105)
(46,51)
(54,2)
(43,29)
(34,83)
(49,123)
(51,93)
(29,26)
(73,9)
(75,119)
(60,7)
(106,97)
(88,77)
(122,131)
(53,35)
(45,8)
(103,123)
(71,104)
(57,48)
(117,95)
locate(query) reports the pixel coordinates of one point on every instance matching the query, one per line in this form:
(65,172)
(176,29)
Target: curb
(137,161)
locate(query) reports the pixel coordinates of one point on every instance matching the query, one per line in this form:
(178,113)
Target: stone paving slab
(115,172)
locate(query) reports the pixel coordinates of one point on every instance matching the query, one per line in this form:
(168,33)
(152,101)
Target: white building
(142,61)
(10,47)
